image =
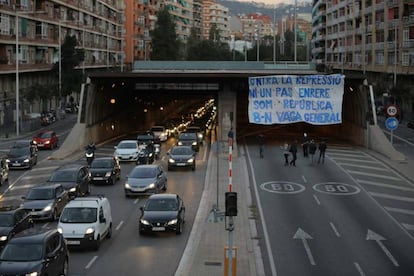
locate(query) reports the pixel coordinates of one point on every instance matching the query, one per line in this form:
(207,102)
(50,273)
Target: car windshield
(127,145)
(6,220)
(161,205)
(40,194)
(157,129)
(44,135)
(142,172)
(101,163)
(79,215)
(63,176)
(181,151)
(188,136)
(22,252)
(19,151)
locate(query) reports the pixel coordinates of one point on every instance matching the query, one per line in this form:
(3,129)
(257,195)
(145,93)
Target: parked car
(4,169)
(12,221)
(86,221)
(106,170)
(181,156)
(189,139)
(162,213)
(22,157)
(127,150)
(46,139)
(145,179)
(45,202)
(75,178)
(35,251)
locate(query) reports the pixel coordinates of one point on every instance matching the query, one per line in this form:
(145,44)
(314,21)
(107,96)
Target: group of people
(309,147)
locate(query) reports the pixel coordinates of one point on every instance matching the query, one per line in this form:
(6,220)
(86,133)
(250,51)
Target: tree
(165,44)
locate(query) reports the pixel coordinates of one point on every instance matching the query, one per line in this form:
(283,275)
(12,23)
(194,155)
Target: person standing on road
(312,149)
(261,140)
(286,153)
(322,150)
(305,144)
(293,150)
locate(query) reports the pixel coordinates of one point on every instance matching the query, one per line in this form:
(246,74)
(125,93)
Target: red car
(46,139)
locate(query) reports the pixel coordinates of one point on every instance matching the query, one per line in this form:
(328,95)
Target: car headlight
(143,221)
(26,160)
(180,143)
(72,190)
(3,238)
(48,208)
(150,154)
(127,186)
(172,222)
(191,160)
(8,160)
(151,186)
(60,230)
(194,144)
(200,136)
(108,174)
(171,160)
(47,142)
(89,230)
(32,273)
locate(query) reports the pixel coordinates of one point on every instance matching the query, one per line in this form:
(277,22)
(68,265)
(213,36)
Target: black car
(106,170)
(75,178)
(24,157)
(25,143)
(13,220)
(162,213)
(35,251)
(189,139)
(181,156)
(46,202)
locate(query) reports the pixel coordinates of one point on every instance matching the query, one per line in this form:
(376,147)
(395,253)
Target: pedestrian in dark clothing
(312,149)
(305,144)
(293,150)
(286,153)
(230,134)
(322,150)
(261,140)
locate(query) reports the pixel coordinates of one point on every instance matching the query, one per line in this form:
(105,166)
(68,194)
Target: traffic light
(231,204)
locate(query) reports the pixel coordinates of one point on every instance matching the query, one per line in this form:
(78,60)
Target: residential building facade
(217,14)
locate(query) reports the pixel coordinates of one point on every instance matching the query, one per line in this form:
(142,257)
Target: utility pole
(294,31)
(17,75)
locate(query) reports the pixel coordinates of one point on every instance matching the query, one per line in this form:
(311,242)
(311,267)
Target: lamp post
(294,31)
(17,75)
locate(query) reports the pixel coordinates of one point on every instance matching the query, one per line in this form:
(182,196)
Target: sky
(276,2)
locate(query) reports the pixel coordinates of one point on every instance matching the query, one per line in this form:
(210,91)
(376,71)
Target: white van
(160,132)
(86,221)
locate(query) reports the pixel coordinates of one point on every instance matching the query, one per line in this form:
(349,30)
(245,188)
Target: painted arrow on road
(371,235)
(302,235)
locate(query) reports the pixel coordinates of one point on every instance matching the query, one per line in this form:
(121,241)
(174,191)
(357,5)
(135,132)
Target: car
(45,202)
(35,251)
(13,220)
(145,180)
(4,169)
(181,156)
(105,170)
(189,139)
(75,178)
(160,132)
(25,143)
(127,150)
(86,221)
(162,213)
(24,157)
(46,139)
(198,130)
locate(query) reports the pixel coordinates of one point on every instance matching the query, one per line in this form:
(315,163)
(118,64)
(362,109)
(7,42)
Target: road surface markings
(36,176)
(304,179)
(371,235)
(91,262)
(408,226)
(399,198)
(354,160)
(383,185)
(44,226)
(375,175)
(304,237)
(136,201)
(50,168)
(335,230)
(317,199)
(10,198)
(358,267)
(401,211)
(119,225)
(383,169)
(21,187)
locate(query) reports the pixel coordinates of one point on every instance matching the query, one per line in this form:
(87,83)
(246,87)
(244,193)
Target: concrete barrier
(378,142)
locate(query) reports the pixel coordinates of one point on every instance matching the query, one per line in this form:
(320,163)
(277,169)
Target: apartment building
(217,14)
(256,26)
(39,28)
(365,35)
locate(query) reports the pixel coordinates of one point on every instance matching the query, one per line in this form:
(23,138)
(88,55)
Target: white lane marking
(51,168)
(364,167)
(22,187)
(398,210)
(44,226)
(383,185)
(408,226)
(136,201)
(304,237)
(317,199)
(91,262)
(358,267)
(375,175)
(399,198)
(119,225)
(335,230)
(371,235)
(353,160)
(304,179)
(36,176)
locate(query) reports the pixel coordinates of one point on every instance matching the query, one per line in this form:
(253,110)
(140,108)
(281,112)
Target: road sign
(391,123)
(392,110)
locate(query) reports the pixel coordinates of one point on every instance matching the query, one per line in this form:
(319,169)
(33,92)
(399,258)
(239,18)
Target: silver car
(146,180)
(127,150)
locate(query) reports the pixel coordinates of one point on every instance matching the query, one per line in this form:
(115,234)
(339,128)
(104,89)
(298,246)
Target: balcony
(379,6)
(379,46)
(408,44)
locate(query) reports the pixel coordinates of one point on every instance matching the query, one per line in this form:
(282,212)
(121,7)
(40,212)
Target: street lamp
(17,75)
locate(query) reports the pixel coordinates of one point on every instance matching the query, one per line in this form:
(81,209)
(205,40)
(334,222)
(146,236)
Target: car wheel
(109,234)
(65,268)
(97,243)
(179,228)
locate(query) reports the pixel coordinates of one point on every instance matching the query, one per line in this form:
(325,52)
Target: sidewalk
(204,254)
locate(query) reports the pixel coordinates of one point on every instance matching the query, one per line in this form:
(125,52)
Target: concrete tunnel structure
(114,104)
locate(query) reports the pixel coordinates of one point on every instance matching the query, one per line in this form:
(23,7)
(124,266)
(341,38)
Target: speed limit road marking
(282,187)
(336,188)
